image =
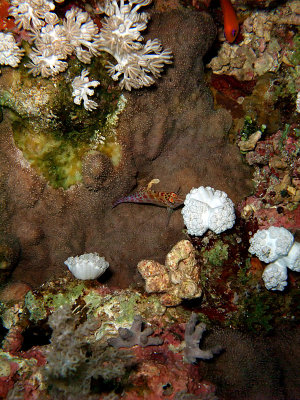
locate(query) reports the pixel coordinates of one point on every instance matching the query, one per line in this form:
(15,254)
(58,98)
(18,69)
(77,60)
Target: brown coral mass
(170,132)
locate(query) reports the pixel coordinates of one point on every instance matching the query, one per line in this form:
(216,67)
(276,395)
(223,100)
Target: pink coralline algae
(277,181)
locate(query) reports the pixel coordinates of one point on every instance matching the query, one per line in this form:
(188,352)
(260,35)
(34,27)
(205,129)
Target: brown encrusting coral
(170,132)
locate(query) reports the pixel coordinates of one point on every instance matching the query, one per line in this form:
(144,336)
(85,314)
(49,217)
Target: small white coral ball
(270,244)
(87,266)
(206,208)
(275,277)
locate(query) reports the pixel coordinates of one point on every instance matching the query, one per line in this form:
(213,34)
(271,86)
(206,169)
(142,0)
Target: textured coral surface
(169,132)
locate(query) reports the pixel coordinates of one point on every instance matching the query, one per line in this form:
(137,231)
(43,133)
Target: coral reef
(160,134)
(192,337)
(136,335)
(78,34)
(275,201)
(206,208)
(87,266)
(262,49)
(178,279)
(74,360)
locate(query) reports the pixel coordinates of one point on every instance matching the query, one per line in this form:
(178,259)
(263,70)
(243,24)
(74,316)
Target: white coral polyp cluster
(55,42)
(81,33)
(276,246)
(81,86)
(10,53)
(29,14)
(137,64)
(206,208)
(87,266)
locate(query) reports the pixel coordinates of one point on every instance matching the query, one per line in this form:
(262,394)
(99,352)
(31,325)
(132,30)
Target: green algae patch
(38,304)
(53,133)
(217,255)
(119,309)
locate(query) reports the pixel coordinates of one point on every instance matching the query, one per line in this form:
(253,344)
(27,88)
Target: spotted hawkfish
(146,195)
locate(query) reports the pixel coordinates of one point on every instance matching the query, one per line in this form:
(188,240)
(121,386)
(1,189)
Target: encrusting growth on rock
(178,279)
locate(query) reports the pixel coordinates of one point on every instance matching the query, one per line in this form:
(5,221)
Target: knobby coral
(206,208)
(277,247)
(178,279)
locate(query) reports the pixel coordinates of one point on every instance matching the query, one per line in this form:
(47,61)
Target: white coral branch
(82,89)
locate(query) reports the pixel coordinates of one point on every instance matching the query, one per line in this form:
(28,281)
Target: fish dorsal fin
(152,182)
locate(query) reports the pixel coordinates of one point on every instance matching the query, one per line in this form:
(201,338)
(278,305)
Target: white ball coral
(270,244)
(276,246)
(206,208)
(87,266)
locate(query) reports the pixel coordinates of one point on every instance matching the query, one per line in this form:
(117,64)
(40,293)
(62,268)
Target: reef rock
(178,279)
(169,131)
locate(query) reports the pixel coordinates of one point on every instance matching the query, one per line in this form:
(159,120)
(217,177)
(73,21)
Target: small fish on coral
(231,24)
(87,266)
(207,208)
(146,195)
(81,86)
(10,53)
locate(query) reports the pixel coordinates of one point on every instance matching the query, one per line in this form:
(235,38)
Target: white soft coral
(82,89)
(276,246)
(55,42)
(206,208)
(81,33)
(137,63)
(29,14)
(10,53)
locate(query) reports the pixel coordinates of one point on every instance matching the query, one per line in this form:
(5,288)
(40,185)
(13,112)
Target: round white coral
(87,266)
(206,208)
(276,246)
(270,244)
(275,277)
